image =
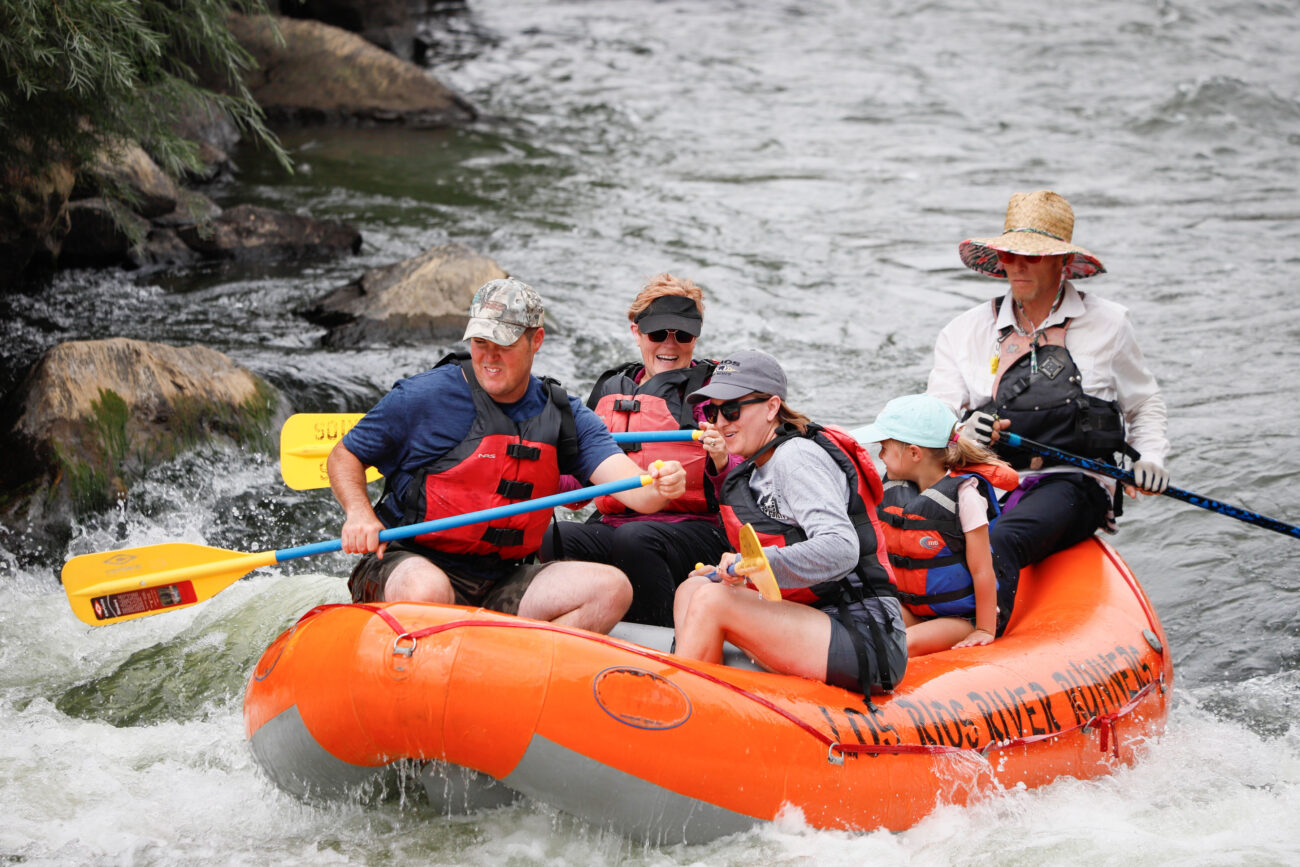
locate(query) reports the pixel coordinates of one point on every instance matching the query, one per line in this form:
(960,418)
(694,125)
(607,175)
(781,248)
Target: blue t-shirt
(427,415)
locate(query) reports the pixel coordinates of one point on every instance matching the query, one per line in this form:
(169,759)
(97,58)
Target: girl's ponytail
(963,452)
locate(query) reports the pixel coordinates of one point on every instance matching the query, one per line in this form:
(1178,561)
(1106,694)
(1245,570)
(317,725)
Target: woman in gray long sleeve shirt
(837,613)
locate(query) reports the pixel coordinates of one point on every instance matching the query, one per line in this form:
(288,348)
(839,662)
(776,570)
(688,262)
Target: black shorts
(503,594)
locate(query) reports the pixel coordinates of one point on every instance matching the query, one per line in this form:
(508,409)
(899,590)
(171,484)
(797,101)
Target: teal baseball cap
(915,419)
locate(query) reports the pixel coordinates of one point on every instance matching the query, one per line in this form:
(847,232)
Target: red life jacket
(499,462)
(873,575)
(927,547)
(658,403)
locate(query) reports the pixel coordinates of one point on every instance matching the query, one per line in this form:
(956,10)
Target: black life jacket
(655,404)
(872,576)
(1039,388)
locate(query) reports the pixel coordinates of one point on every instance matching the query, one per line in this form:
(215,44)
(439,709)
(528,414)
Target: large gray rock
(424,299)
(248,233)
(92,416)
(318,73)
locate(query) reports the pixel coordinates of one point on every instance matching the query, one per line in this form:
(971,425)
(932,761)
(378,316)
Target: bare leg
(415,579)
(682,600)
(591,596)
(938,633)
(781,636)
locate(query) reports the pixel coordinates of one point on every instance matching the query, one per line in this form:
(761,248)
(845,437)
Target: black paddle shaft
(1126,476)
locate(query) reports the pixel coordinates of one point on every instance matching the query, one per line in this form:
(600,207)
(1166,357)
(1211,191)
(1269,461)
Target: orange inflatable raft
(480,706)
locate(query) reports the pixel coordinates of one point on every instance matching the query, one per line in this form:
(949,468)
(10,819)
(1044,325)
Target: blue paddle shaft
(1126,476)
(715,577)
(493,514)
(655,436)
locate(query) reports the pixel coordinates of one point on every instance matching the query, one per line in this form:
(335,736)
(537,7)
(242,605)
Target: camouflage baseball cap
(502,309)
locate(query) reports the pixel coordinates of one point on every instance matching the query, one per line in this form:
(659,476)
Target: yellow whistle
(993,363)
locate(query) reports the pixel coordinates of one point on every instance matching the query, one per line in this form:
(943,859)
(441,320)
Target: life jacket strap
(898,561)
(522,452)
(935,598)
(515,490)
(909,522)
(503,537)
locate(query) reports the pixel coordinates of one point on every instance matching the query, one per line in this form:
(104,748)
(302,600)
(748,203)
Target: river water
(813,165)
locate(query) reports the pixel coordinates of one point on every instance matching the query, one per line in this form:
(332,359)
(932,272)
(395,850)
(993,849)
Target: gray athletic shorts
(842,658)
(504,595)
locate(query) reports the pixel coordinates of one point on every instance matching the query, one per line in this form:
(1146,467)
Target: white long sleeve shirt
(1102,342)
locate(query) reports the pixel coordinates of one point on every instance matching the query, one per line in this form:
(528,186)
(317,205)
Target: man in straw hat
(474,432)
(1054,365)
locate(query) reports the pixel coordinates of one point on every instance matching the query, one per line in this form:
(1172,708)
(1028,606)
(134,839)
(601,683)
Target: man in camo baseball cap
(502,310)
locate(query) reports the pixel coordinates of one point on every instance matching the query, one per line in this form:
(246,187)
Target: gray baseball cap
(741,374)
(502,309)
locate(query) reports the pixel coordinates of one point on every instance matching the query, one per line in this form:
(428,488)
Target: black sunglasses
(730,410)
(662,334)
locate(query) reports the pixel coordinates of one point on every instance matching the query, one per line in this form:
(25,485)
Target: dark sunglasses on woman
(662,334)
(730,410)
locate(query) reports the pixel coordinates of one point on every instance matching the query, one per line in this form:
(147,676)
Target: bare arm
(670,483)
(979,560)
(361,525)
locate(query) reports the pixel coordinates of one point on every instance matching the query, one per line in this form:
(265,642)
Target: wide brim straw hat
(1038,224)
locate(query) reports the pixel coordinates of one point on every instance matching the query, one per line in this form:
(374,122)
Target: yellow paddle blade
(754,565)
(305,443)
(112,586)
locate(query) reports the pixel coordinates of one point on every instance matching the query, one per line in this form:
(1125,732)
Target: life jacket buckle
(503,537)
(513,489)
(519,451)
(625,404)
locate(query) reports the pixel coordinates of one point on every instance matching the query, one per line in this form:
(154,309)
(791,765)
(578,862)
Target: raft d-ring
(832,757)
(399,649)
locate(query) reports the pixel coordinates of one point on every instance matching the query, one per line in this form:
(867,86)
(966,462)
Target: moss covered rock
(93,416)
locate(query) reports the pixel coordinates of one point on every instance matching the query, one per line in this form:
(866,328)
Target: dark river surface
(813,166)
